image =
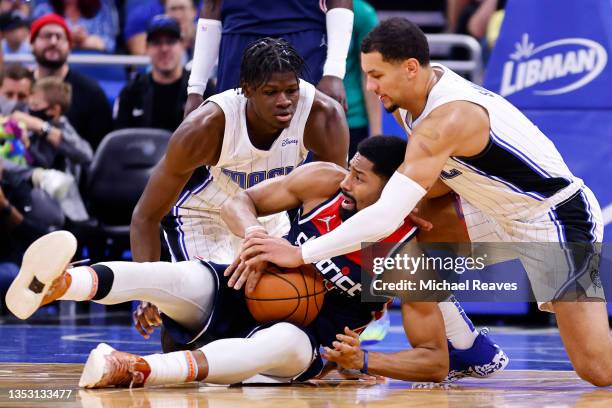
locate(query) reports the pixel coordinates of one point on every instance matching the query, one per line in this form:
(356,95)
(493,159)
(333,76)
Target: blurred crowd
(53,117)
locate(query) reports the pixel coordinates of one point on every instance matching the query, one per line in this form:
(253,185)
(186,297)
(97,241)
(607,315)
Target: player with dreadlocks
(233,141)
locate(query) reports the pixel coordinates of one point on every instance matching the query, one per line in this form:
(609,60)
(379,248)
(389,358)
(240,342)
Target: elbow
(440,372)
(440,366)
(139,219)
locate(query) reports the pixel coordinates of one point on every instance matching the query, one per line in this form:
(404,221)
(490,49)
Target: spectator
(94,23)
(184,11)
(364,115)
(136,21)
(89,112)
(53,142)
(156,99)
(15,88)
(19,5)
(15,29)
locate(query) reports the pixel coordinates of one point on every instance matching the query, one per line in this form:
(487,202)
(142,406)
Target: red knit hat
(50,18)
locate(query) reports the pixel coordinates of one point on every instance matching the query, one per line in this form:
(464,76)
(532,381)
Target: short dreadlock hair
(267,56)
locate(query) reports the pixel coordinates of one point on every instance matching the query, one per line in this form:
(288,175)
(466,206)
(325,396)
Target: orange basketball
(294,295)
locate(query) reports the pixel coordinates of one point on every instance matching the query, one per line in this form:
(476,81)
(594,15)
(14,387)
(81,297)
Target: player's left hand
(347,352)
(279,251)
(333,86)
(240,274)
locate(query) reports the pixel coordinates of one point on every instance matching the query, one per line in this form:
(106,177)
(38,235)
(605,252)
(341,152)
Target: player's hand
(333,86)
(240,273)
(193,101)
(347,352)
(278,251)
(420,222)
(146,317)
(331,371)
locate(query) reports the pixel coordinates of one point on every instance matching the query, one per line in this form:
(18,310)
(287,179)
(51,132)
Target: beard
(391,108)
(49,64)
(346,214)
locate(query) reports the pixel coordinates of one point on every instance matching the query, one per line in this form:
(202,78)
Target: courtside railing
(439,44)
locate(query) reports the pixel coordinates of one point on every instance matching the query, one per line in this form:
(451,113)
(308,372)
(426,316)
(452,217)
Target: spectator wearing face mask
(53,141)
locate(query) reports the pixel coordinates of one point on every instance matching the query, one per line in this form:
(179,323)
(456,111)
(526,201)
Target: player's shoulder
(206,117)
(323,105)
(200,135)
(456,118)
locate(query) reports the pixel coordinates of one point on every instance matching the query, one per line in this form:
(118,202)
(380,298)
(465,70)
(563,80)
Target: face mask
(41,114)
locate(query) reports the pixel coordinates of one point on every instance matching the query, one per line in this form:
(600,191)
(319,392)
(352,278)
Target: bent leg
(586,336)
(282,350)
(184,290)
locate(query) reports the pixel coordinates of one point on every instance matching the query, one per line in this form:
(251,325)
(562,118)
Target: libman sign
(553,68)
(554,56)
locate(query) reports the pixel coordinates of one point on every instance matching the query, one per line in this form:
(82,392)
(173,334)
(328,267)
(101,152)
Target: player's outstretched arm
(326,133)
(339,26)
(312,182)
(195,143)
(458,128)
(205,53)
(426,361)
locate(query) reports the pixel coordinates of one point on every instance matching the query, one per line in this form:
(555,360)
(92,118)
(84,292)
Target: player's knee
(292,342)
(594,371)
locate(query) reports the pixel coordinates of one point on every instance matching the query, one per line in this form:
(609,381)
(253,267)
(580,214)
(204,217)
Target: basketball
(294,295)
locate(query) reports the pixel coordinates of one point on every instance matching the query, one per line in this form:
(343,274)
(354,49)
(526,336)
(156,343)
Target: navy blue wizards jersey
(342,274)
(272,17)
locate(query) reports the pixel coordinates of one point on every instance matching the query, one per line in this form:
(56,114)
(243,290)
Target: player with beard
(90,112)
(211,318)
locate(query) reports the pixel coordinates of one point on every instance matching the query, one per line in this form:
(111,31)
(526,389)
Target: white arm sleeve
(205,54)
(398,199)
(339,23)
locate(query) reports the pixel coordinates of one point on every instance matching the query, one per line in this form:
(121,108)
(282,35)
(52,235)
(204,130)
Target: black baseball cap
(12,20)
(163,23)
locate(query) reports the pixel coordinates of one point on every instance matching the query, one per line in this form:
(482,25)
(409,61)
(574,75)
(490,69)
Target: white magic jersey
(520,175)
(518,189)
(195,221)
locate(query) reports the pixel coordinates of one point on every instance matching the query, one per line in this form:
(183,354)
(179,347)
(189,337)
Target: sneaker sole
(93,371)
(44,260)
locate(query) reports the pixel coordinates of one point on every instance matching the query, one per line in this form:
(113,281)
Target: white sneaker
(107,367)
(44,260)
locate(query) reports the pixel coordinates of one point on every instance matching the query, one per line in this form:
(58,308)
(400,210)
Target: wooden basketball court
(38,360)
(513,388)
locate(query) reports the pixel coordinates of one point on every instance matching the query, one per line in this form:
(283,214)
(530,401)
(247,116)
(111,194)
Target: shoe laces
(122,371)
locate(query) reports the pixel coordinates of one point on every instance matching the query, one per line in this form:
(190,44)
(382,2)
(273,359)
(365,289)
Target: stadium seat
(117,177)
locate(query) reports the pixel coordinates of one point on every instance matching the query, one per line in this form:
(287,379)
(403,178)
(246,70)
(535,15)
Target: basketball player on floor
(235,140)
(320,31)
(514,186)
(202,311)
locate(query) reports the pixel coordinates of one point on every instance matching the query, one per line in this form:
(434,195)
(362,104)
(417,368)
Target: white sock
(459,329)
(184,291)
(171,368)
(84,284)
(282,351)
